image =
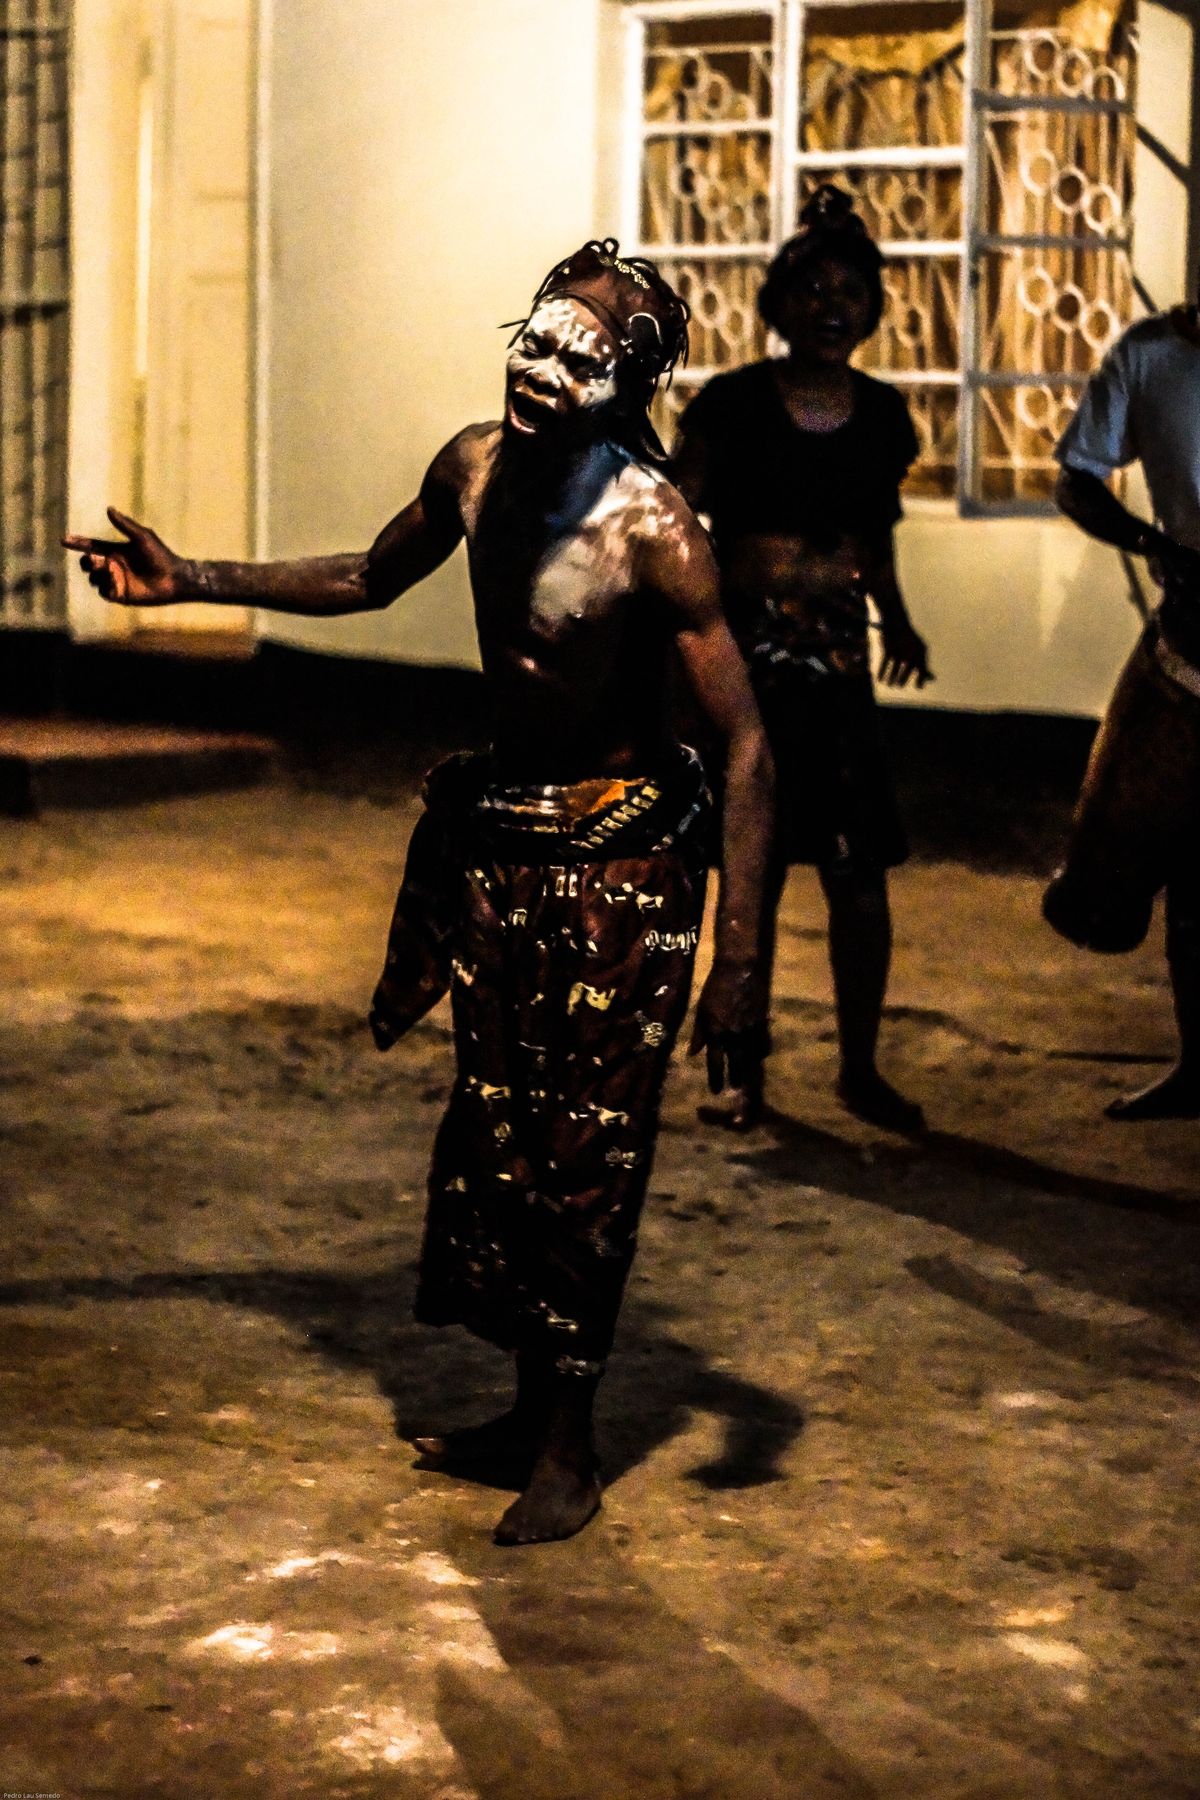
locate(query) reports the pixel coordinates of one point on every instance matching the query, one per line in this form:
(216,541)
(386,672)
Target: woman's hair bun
(829,226)
(830,207)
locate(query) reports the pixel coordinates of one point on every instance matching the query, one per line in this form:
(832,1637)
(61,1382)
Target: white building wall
(429,159)
(105,40)
(1020,615)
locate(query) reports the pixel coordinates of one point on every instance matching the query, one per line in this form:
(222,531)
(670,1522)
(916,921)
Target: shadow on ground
(363,1322)
(1099,1240)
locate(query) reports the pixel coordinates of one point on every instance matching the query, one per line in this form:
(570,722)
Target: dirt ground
(901,1440)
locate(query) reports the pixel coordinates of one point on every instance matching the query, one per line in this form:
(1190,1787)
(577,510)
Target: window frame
(35,78)
(789,162)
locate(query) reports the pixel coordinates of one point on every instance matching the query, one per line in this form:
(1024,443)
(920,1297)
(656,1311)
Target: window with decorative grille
(33,309)
(990,151)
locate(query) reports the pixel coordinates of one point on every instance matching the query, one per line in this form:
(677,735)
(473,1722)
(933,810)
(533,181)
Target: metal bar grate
(34,335)
(992,163)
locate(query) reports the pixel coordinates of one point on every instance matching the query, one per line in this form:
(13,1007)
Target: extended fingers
(91,546)
(131,527)
(107,575)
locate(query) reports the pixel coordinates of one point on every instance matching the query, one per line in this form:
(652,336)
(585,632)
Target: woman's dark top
(808,656)
(765,475)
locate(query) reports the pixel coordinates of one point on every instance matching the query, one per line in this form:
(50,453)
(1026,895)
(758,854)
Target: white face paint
(563,363)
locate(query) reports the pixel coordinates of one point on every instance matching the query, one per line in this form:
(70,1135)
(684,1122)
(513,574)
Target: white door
(1162,172)
(195,289)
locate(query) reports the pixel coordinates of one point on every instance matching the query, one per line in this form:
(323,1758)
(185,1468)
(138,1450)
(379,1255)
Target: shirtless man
(554,886)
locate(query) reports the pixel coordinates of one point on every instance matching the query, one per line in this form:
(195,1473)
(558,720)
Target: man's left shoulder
(652,498)
(669,546)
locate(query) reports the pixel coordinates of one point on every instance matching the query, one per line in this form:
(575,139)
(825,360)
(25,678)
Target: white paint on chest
(595,563)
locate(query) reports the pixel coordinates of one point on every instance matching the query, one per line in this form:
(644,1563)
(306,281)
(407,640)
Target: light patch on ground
(432,1566)
(1028,1618)
(870,1549)
(468,1640)
(389,1735)
(292,1566)
(243,1642)
(1051,1652)
(1024,1400)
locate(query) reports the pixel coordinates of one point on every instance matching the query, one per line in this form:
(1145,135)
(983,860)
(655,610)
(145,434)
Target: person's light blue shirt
(1143,403)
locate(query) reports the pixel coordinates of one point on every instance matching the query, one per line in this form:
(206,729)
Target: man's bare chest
(580,592)
(571,600)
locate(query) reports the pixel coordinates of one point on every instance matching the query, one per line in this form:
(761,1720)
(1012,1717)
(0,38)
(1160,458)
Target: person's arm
(1100,439)
(145,572)
(905,653)
(895,449)
(1092,505)
(677,564)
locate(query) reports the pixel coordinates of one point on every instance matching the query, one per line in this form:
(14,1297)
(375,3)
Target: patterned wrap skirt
(564,923)
(835,800)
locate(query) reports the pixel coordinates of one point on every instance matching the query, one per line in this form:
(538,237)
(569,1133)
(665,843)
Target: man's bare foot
(868,1096)
(563,1494)
(510,1438)
(1176,1096)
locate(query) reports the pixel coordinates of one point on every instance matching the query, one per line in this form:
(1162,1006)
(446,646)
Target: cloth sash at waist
(587,821)
(472,818)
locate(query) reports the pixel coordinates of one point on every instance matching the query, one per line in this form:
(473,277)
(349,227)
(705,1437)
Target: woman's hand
(142,572)
(904,654)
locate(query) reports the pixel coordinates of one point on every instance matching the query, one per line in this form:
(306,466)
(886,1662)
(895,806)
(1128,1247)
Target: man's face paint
(561,369)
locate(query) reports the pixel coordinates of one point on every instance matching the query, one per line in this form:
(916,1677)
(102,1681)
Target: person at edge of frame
(1136,829)
(555,885)
(797,461)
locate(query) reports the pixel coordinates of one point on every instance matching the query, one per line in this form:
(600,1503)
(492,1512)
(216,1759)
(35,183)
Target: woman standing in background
(798,463)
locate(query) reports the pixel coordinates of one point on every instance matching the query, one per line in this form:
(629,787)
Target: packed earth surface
(900,1438)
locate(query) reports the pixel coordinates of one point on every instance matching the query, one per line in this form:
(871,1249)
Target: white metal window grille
(991,158)
(33,309)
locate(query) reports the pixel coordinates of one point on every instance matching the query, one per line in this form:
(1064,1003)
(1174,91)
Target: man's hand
(142,572)
(904,654)
(731,1025)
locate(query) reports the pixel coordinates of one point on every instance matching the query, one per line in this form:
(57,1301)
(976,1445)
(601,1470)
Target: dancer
(554,886)
(1137,824)
(798,463)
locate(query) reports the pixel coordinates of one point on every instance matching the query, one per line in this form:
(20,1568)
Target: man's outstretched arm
(144,572)
(731,1015)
